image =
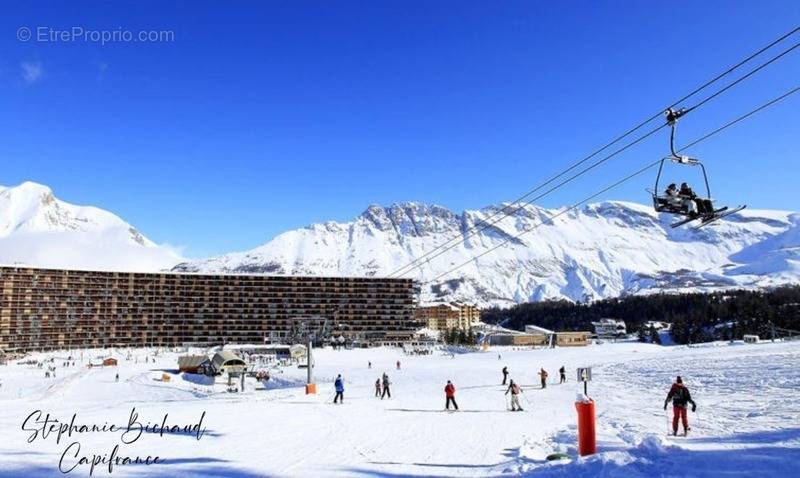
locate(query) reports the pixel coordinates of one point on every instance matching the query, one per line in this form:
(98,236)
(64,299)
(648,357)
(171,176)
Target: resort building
(444,316)
(46,309)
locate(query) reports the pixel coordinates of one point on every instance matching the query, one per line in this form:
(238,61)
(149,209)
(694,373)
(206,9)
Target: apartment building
(45,309)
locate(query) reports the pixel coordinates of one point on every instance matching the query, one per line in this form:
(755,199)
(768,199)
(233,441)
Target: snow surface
(746,423)
(601,250)
(40,230)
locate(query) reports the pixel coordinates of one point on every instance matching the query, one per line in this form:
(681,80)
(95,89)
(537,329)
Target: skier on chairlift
(694,203)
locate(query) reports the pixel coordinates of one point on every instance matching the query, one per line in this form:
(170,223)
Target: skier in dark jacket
(505,375)
(378,387)
(338,384)
(563,373)
(703,206)
(386,384)
(680,397)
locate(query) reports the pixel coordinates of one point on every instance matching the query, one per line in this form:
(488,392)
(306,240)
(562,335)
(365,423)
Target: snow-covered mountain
(602,250)
(40,230)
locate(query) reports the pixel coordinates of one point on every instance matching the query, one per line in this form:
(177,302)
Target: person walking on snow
(563,373)
(543,376)
(505,375)
(378,388)
(680,397)
(515,391)
(450,393)
(339,386)
(386,384)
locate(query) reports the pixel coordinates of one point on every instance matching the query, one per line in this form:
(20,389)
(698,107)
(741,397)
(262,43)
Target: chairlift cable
(483,225)
(672,117)
(618,183)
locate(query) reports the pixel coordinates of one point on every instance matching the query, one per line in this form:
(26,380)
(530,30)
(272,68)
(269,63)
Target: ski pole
(666,416)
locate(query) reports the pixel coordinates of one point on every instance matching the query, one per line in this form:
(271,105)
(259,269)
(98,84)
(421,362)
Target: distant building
(572,339)
(52,309)
(448,315)
(530,340)
(610,329)
(194,364)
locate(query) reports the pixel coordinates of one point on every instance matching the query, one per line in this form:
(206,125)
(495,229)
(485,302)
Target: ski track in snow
(747,422)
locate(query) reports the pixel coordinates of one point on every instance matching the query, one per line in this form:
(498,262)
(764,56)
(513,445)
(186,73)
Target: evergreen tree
(655,337)
(642,335)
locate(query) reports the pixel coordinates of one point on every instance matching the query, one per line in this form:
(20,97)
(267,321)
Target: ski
(716,217)
(684,221)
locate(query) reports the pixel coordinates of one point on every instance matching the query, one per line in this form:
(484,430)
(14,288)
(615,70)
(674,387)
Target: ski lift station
(225,361)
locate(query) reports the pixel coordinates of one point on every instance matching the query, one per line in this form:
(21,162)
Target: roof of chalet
(225,357)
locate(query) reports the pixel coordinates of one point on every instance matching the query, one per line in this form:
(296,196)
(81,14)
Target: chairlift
(681,205)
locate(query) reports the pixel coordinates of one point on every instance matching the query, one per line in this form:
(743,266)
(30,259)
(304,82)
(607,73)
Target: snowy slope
(38,229)
(745,424)
(602,250)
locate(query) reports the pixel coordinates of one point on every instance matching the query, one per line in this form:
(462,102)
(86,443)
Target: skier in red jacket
(450,393)
(680,397)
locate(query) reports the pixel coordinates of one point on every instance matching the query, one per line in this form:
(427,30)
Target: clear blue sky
(264,116)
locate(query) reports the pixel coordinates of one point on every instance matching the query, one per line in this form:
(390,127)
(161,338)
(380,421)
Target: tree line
(695,317)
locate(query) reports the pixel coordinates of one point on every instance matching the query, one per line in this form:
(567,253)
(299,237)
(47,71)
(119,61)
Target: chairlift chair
(676,205)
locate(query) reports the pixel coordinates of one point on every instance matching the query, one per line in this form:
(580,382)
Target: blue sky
(265,116)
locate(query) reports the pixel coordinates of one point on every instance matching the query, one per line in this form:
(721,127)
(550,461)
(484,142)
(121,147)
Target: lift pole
(311,387)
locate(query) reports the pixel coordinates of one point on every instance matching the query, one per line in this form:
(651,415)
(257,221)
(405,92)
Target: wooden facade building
(47,309)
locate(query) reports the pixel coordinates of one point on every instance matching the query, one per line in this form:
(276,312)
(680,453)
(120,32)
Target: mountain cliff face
(602,250)
(40,230)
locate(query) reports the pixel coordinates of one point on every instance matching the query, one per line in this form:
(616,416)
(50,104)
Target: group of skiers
(678,394)
(542,375)
(382,387)
(687,198)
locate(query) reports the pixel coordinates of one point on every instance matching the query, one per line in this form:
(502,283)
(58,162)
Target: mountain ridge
(38,229)
(577,257)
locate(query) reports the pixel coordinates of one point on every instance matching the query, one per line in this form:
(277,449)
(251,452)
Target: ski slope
(746,424)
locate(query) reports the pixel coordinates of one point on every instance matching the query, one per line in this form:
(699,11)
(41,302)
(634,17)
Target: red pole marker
(587,440)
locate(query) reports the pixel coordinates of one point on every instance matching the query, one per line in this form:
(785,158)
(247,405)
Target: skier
(680,396)
(339,385)
(563,373)
(116,379)
(378,387)
(515,391)
(505,375)
(543,376)
(386,384)
(369,364)
(450,393)
(398,365)
(499,357)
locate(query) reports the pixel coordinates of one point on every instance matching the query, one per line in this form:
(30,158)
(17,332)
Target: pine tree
(655,337)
